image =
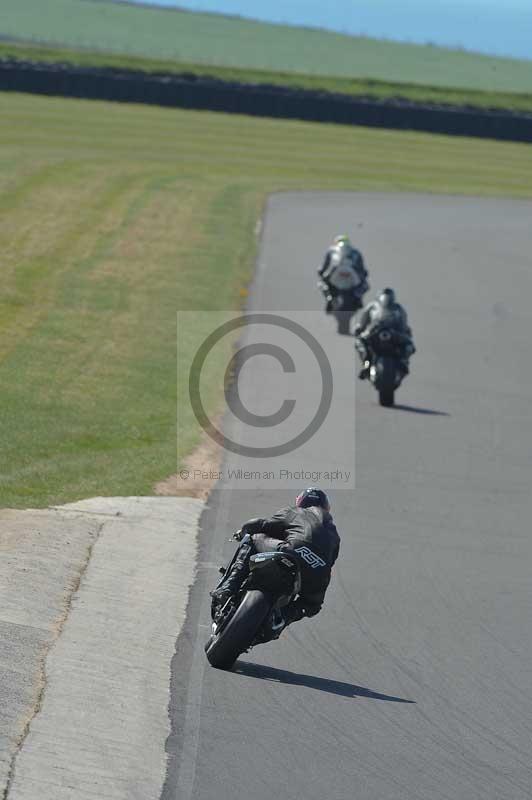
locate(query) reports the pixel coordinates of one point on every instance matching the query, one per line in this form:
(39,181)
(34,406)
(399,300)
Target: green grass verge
(112,217)
(357,87)
(212,39)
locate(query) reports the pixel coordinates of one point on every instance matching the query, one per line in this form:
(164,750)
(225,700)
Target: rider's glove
(244,530)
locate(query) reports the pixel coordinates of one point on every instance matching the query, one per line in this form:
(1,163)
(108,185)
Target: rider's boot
(278,624)
(364,372)
(281,619)
(234,578)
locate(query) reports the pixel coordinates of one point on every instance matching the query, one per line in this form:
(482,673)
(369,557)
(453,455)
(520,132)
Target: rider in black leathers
(384,311)
(306,529)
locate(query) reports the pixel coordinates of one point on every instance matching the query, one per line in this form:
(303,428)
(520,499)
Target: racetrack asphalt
(414,683)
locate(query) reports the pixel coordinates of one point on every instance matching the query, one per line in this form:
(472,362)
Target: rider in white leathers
(343,270)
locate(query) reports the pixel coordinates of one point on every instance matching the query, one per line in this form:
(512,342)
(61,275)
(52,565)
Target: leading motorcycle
(253,613)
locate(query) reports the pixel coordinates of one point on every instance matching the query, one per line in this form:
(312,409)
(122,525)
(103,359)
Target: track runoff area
(414,681)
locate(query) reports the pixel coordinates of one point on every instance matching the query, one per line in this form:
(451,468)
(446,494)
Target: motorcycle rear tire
(343,319)
(223,649)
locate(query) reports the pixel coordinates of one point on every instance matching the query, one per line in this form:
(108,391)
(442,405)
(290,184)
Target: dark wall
(189,91)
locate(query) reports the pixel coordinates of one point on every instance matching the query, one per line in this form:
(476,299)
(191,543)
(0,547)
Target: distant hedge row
(193,92)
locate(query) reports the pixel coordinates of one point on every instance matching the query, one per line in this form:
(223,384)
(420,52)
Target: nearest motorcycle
(386,370)
(252,615)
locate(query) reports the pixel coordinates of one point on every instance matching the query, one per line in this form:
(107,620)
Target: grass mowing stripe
(37,276)
(128,213)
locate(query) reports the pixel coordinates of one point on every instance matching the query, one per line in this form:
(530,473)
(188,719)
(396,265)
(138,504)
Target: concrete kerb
(87,711)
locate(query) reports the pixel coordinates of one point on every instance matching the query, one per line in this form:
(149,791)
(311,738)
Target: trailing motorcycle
(252,614)
(386,372)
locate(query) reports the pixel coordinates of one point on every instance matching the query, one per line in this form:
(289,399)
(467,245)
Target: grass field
(357,87)
(216,40)
(112,217)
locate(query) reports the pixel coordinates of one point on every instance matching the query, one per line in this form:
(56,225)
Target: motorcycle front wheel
(386,381)
(223,648)
(387,397)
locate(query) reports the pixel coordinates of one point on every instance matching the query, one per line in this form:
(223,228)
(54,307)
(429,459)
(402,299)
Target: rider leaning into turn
(386,311)
(341,256)
(306,529)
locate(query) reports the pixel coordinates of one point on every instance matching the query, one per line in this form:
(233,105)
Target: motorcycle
(343,289)
(252,615)
(386,370)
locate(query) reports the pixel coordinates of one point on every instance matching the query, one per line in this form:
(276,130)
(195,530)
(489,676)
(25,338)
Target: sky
(498,27)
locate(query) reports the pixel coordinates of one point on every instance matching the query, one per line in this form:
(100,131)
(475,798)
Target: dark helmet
(387,297)
(313,497)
